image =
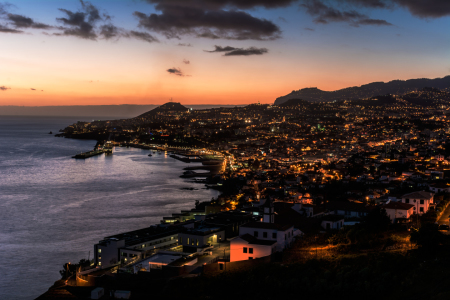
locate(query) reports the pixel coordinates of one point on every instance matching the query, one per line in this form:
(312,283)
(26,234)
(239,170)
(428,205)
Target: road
(444,218)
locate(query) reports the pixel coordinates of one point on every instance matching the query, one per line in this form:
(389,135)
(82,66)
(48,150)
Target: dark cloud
(85,24)
(325,14)
(220,4)
(208,19)
(185,61)
(426,8)
(246,52)
(175,71)
(109,31)
(19,21)
(32,89)
(144,36)
(419,8)
(184,45)
(375,22)
(232,51)
(6,29)
(369,3)
(309,29)
(4,8)
(80,24)
(222,49)
(4,88)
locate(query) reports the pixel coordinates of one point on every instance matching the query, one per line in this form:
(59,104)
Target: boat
(149,155)
(50,132)
(88,154)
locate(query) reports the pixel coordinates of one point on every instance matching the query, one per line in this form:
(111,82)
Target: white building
(399,211)
(420,200)
(247,247)
(264,237)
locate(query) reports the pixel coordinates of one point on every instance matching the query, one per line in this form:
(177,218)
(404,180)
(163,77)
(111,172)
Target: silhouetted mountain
(294,103)
(396,87)
(168,107)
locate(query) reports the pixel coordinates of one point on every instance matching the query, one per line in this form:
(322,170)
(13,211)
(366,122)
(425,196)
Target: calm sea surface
(53,208)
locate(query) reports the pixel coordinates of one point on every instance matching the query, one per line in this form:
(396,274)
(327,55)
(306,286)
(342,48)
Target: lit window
(99,263)
(99,250)
(188,241)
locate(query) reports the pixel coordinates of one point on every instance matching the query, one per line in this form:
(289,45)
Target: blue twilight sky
(212,51)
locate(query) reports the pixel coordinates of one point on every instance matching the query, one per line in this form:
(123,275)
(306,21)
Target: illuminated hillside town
(299,180)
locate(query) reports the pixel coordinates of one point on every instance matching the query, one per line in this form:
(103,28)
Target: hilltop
(169,107)
(395,87)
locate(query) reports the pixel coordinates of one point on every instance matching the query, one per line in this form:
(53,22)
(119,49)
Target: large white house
(421,201)
(265,237)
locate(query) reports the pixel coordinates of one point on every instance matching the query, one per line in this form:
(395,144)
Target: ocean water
(54,208)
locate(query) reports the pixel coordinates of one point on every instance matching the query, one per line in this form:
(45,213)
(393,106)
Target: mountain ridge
(313,94)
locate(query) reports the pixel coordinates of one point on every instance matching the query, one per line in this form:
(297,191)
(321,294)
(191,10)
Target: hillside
(396,87)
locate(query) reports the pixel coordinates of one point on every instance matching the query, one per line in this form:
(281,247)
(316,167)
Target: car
(444,227)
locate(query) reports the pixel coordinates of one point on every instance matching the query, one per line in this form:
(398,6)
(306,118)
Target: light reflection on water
(54,208)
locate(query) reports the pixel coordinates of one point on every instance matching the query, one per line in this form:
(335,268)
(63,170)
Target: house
(247,247)
(267,230)
(440,188)
(398,211)
(332,222)
(348,209)
(421,201)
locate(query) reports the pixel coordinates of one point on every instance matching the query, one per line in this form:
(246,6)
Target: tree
(428,237)
(376,221)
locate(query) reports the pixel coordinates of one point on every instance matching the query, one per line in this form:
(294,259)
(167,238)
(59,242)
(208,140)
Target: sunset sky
(75,52)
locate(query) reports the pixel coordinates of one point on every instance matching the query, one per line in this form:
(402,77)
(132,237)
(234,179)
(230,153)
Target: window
(406,200)
(250,258)
(421,209)
(197,242)
(245,249)
(414,200)
(255,234)
(264,234)
(421,201)
(181,240)
(221,267)
(250,250)
(124,254)
(188,241)
(99,263)
(99,250)
(285,236)
(274,235)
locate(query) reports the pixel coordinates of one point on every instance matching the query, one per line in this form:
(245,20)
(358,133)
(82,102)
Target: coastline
(110,194)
